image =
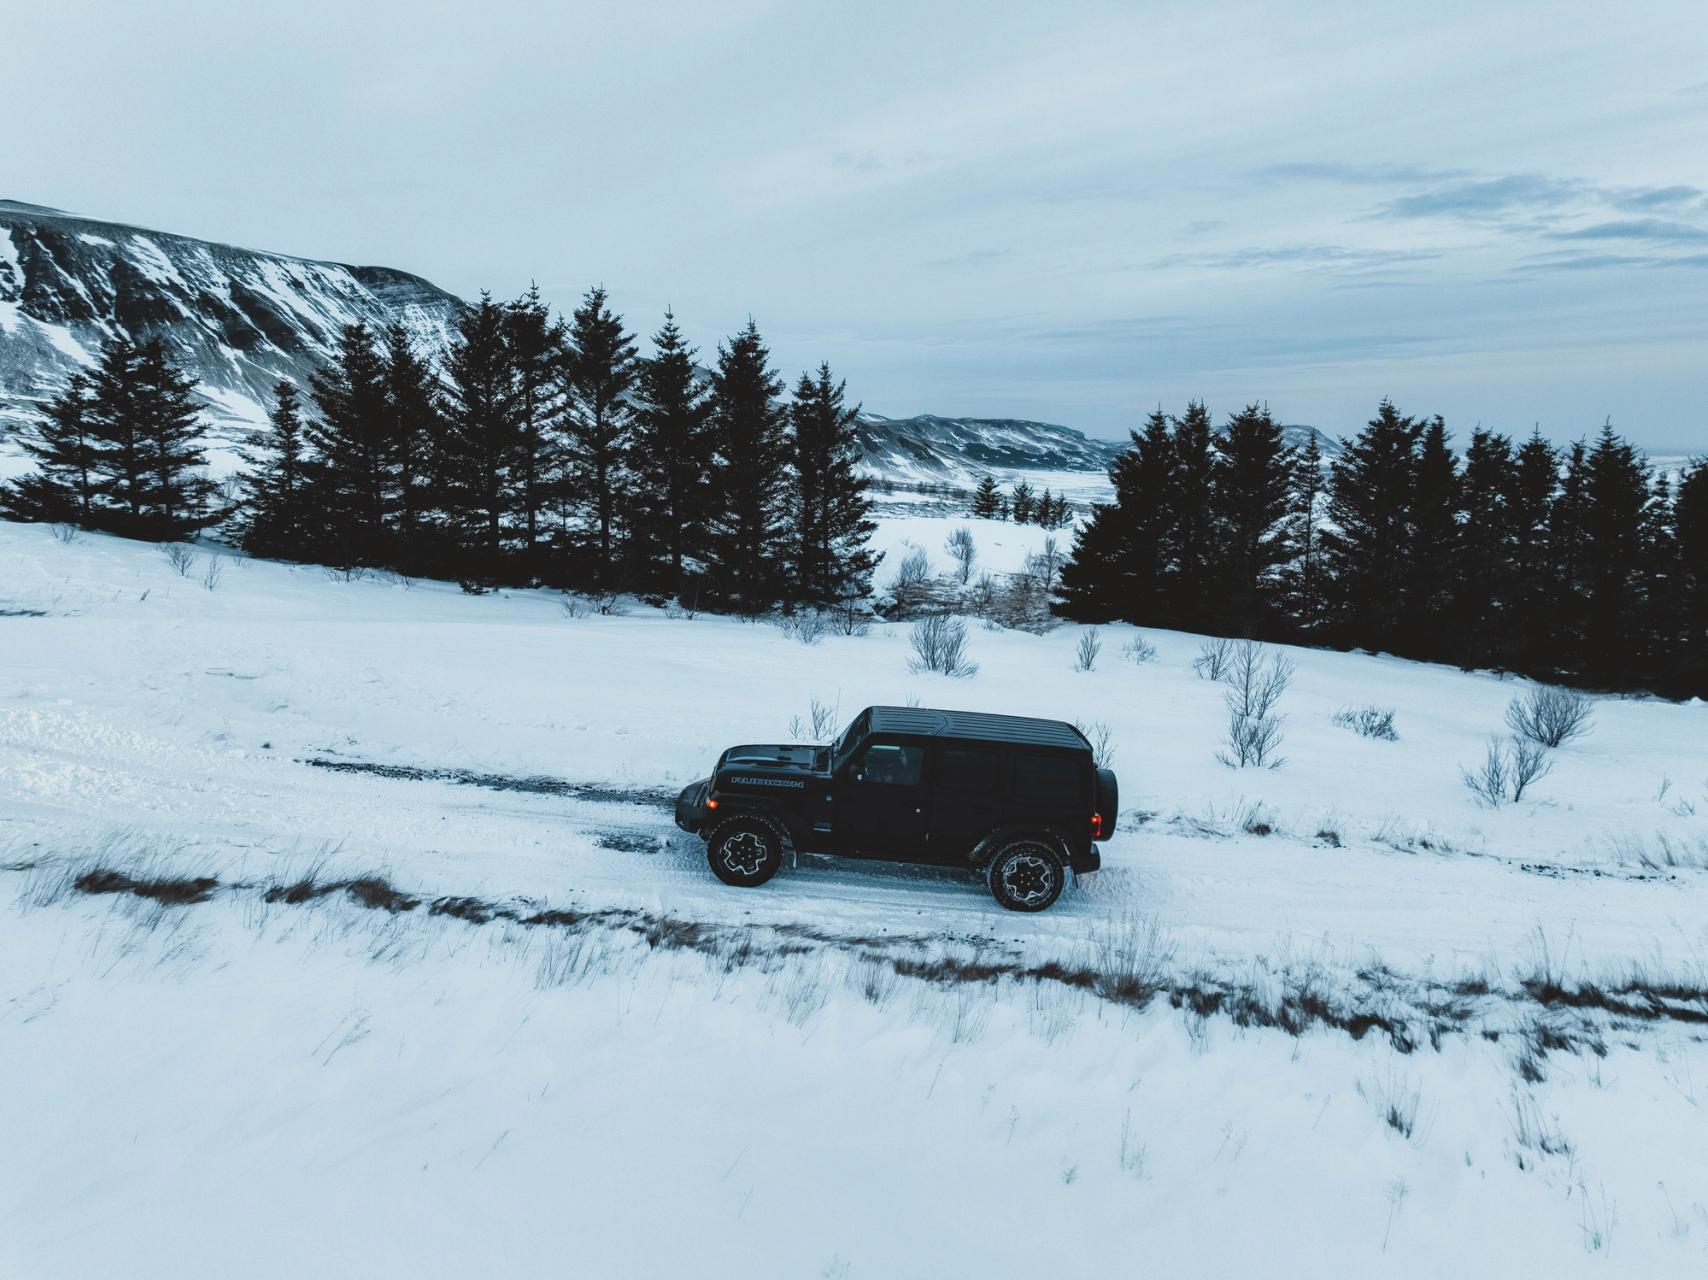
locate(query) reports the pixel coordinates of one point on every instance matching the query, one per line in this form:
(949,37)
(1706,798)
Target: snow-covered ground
(242,1087)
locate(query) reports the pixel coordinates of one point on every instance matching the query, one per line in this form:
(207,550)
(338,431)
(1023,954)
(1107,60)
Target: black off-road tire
(1026,874)
(745,851)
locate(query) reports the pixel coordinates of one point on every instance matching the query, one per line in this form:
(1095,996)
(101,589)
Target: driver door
(882,809)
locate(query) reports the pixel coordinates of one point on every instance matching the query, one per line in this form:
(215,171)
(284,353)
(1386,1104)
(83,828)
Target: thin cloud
(1317,256)
(1488,197)
(1372,175)
(1658,230)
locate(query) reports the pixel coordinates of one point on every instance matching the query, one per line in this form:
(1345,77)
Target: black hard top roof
(979,725)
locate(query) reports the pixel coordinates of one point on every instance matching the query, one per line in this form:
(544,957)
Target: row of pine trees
(541,450)
(1580,564)
(1023,506)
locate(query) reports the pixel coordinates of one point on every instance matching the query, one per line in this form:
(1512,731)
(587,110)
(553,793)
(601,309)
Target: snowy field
(1333,1017)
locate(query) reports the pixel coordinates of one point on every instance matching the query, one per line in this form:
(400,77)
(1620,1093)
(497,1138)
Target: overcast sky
(1072,212)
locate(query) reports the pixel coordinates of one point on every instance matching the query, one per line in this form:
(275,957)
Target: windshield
(846,743)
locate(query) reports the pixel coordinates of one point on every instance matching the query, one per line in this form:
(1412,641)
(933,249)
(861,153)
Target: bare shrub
(1368,722)
(1102,742)
(1130,955)
(819,724)
(1549,715)
(1046,564)
(850,617)
(607,602)
(64,532)
(1256,680)
(913,571)
(1213,658)
(213,572)
(343,572)
(1396,1100)
(1090,645)
(572,604)
(1138,650)
(963,551)
(940,643)
(1508,770)
(808,626)
(181,556)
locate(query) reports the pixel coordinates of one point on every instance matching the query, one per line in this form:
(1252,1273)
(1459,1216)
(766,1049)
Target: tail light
(711,802)
(1096,826)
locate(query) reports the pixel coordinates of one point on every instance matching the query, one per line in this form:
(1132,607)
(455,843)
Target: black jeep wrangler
(1018,799)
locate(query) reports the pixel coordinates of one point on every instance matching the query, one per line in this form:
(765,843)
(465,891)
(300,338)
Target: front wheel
(1026,875)
(745,851)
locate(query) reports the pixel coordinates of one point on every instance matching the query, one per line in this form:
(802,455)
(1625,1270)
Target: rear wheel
(745,851)
(1026,874)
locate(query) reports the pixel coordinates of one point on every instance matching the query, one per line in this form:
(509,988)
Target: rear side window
(1046,779)
(973,772)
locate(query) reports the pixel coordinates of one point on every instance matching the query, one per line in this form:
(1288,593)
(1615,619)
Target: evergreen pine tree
(1431,627)
(1191,546)
(1023,505)
(65,484)
(275,518)
(1305,576)
(121,460)
(987,499)
(1367,535)
(180,494)
(671,459)
(749,484)
(831,512)
(411,433)
(1251,484)
(600,371)
(1118,568)
(1488,549)
(1536,480)
(538,350)
(1616,516)
(1567,555)
(352,477)
(478,442)
(1689,668)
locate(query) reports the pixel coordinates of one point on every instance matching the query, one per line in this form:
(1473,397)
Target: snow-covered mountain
(930,449)
(238,319)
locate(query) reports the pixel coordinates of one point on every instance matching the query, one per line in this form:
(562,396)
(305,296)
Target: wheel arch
(986,849)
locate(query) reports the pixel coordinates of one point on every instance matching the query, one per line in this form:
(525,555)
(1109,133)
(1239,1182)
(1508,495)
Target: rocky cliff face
(237,319)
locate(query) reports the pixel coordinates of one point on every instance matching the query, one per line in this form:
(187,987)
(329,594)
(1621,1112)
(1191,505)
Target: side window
(1046,779)
(970,772)
(891,764)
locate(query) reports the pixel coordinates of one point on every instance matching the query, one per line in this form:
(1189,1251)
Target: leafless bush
(607,602)
(343,572)
(1368,722)
(1256,680)
(808,626)
(1508,770)
(850,617)
(1090,645)
(914,569)
(963,551)
(64,532)
(212,572)
(1139,650)
(1101,739)
(1213,658)
(940,643)
(180,556)
(1046,564)
(1549,715)
(572,604)
(819,724)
